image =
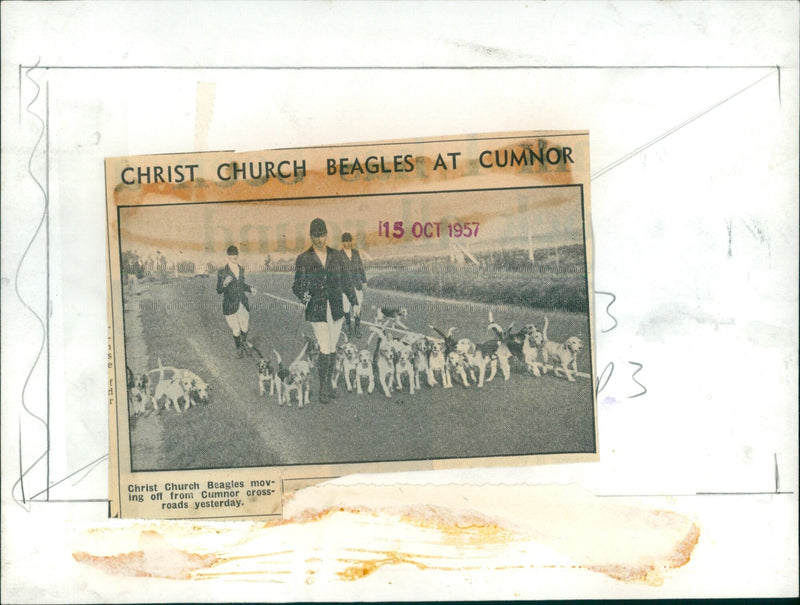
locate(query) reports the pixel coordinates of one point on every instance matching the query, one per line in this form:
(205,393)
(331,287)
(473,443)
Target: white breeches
(238,322)
(346,302)
(327,333)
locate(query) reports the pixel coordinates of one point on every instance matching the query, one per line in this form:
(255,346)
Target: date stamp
(428,229)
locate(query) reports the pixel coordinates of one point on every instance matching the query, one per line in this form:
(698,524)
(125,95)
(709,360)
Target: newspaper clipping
(277,318)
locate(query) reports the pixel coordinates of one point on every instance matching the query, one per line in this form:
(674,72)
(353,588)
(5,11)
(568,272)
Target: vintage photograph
(280,317)
(355,329)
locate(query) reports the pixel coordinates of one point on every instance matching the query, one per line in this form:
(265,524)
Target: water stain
(460,529)
(156,559)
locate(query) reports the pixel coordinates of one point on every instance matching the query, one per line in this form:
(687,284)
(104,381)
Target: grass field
(553,291)
(181,323)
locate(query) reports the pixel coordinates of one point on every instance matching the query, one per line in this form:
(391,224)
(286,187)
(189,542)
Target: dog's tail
(438,331)
(544,330)
(277,356)
(497,329)
(376,331)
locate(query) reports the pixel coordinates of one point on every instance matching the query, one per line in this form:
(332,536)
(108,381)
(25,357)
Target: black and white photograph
(421,326)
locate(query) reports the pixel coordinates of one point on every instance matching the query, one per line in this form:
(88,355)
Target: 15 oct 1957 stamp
(281,317)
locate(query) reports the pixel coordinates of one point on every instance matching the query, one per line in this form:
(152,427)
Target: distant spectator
(355,271)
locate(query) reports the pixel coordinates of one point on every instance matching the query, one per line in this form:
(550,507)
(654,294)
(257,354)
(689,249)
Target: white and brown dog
(437,364)
(479,357)
(296,379)
(346,361)
(514,341)
(384,361)
(403,365)
(457,366)
(198,389)
(564,355)
(266,377)
(364,371)
(170,391)
(138,395)
(530,352)
(390,317)
(420,354)
(183,386)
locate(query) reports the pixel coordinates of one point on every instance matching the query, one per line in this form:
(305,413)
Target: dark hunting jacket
(234,293)
(324,284)
(355,268)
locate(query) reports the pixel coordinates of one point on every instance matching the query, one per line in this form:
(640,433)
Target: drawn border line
(390,67)
(357,68)
(44,220)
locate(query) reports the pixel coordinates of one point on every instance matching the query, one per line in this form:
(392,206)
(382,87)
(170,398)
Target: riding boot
(246,346)
(348,326)
(331,367)
(358,327)
(238,340)
(324,379)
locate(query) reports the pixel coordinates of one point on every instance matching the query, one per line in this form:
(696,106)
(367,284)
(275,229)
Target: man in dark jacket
(320,280)
(235,307)
(355,271)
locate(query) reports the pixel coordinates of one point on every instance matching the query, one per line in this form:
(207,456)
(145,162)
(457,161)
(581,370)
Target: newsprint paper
(282,317)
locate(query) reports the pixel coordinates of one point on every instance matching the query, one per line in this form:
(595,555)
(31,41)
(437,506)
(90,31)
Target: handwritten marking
(608,309)
(633,377)
(610,368)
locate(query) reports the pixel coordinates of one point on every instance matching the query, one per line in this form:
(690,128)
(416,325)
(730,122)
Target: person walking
(321,283)
(235,306)
(355,271)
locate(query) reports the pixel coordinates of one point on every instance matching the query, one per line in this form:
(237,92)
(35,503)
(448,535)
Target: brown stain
(323,184)
(652,573)
(474,530)
(230,558)
(466,529)
(204,575)
(361,568)
(158,559)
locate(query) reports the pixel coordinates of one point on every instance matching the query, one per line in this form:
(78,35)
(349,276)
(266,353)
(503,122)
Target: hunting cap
(233,251)
(318,228)
(346,237)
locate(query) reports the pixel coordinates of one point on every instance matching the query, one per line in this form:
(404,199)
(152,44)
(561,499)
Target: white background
(695,234)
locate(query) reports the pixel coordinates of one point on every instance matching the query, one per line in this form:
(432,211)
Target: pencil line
(777,474)
(27,250)
(47,269)
(673,130)
(390,67)
(70,501)
(72,474)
